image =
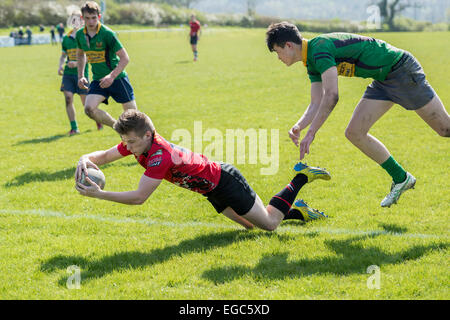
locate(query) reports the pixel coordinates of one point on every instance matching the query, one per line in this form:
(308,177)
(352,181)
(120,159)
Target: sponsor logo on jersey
(95,56)
(154,162)
(157,153)
(346,69)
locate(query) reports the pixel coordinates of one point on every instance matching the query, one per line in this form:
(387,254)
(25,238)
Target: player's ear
(99,16)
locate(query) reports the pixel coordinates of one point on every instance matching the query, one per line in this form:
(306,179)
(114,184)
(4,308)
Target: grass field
(175,246)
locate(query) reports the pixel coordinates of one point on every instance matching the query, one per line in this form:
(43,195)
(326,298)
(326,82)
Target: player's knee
(90,111)
(443,128)
(68,100)
(444,132)
(129,106)
(352,134)
(269,226)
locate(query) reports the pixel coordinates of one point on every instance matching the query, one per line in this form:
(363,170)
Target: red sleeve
(123,150)
(158,165)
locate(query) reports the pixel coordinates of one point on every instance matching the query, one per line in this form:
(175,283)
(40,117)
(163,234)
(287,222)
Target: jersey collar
(98,28)
(304,51)
(71,33)
(151,144)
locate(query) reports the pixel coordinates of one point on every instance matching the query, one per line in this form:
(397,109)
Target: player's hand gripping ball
(95,175)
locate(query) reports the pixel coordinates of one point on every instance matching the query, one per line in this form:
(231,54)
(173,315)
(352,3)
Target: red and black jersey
(177,165)
(195,27)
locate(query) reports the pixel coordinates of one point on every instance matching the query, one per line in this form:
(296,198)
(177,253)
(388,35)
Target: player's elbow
(332,96)
(136,202)
(336,98)
(124,58)
(140,199)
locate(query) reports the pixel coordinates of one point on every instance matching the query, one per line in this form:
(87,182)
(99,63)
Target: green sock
(74,125)
(394,169)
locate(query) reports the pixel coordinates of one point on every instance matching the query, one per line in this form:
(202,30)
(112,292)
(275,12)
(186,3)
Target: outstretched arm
(310,113)
(96,159)
(145,189)
(329,100)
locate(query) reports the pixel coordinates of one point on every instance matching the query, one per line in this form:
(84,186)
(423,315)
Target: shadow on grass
(183,62)
(350,258)
(392,228)
(44,176)
(47,139)
(97,268)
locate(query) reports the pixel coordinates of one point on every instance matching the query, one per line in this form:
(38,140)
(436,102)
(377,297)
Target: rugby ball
(95,175)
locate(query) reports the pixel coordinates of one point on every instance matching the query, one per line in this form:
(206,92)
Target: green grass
(175,246)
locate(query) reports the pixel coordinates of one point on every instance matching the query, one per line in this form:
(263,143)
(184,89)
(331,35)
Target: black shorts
(120,90)
(232,191)
(405,85)
(70,83)
(194,39)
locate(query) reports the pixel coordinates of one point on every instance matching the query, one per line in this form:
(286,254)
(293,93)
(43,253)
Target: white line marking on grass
(145,221)
(281,229)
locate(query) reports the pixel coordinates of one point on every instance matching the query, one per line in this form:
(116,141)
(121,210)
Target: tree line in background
(175,12)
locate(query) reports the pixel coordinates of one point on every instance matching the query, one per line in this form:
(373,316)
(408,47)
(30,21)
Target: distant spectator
(15,35)
(52,34)
(60,29)
(19,38)
(41,28)
(29,33)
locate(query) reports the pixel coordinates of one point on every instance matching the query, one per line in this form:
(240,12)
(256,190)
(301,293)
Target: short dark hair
(90,7)
(133,120)
(282,32)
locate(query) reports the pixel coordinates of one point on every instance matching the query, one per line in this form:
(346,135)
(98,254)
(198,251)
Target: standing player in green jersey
(69,84)
(398,78)
(108,59)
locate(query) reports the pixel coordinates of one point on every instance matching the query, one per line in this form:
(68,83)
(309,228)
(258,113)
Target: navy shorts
(232,191)
(194,39)
(70,83)
(120,90)
(405,85)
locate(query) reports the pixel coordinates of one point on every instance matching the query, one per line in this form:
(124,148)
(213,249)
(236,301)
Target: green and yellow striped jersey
(100,50)
(69,47)
(352,54)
